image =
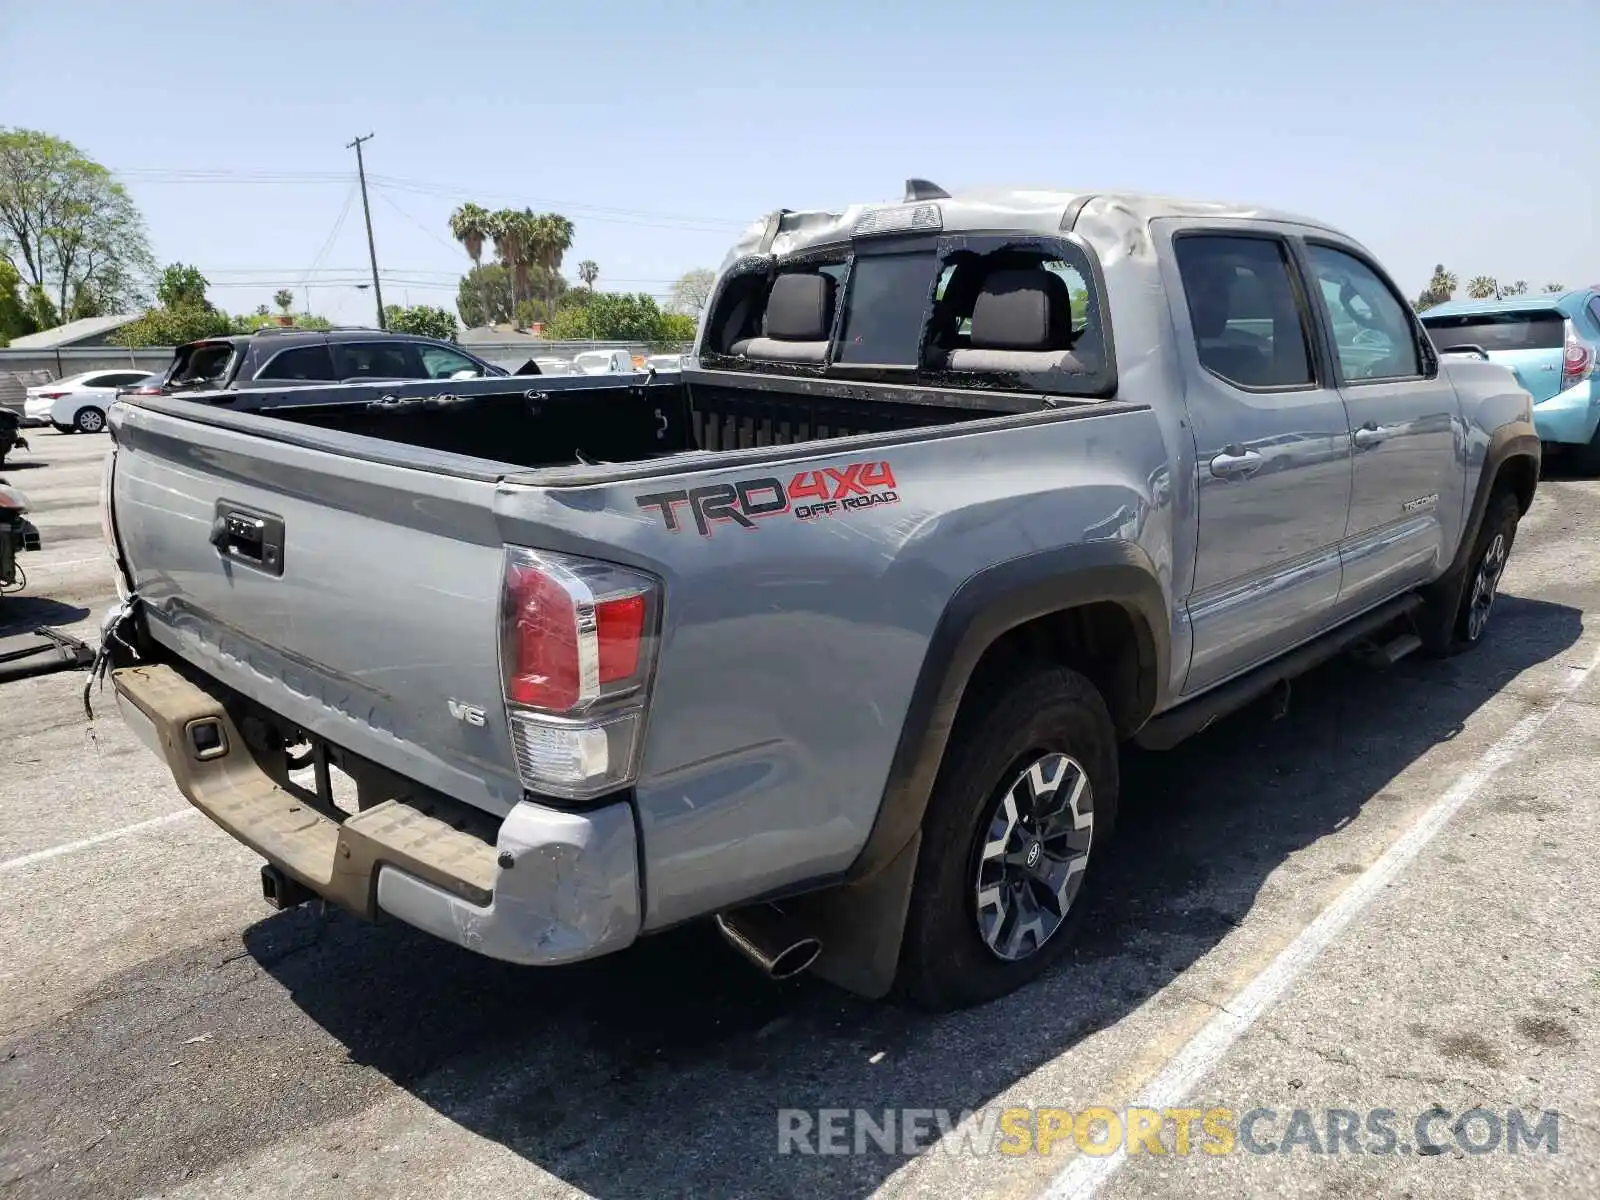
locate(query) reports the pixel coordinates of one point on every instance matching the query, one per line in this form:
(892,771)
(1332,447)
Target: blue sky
(1461,132)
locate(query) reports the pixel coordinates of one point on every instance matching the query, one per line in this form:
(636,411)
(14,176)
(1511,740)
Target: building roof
(72,332)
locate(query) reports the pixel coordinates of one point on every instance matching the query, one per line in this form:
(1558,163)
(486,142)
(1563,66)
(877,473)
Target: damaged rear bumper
(555,886)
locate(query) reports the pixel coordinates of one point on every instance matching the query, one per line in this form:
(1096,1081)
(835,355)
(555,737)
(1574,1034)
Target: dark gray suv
(278,358)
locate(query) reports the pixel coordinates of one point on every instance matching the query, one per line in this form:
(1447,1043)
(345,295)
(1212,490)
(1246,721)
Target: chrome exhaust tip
(771,939)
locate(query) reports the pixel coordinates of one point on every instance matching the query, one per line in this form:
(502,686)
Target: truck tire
(1027,789)
(1462,624)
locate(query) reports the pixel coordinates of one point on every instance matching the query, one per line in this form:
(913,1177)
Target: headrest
(800,308)
(1028,309)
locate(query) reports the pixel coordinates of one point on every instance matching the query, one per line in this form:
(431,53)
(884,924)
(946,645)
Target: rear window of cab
(993,312)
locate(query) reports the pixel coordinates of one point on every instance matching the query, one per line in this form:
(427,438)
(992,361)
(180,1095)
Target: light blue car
(1550,341)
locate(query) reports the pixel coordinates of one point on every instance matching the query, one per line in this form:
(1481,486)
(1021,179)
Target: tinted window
(201,365)
(1249,325)
(1498,331)
(1372,331)
(123,378)
(376,360)
(884,312)
(439,363)
(1594,311)
(302,363)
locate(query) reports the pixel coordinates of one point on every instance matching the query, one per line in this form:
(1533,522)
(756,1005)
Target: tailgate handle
(247,536)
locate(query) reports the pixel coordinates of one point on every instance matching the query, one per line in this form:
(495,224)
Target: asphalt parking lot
(1378,898)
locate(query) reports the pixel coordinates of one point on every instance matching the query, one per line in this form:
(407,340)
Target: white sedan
(78,402)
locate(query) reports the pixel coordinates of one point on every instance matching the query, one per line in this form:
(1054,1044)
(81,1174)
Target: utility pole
(372,249)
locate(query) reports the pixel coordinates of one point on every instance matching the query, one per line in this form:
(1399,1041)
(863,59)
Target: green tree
(41,311)
(284,299)
(1555,287)
(263,318)
(66,222)
(1482,287)
(174,327)
(421,320)
(608,316)
(675,329)
(84,303)
(588,271)
(472,226)
(182,286)
(262,311)
(15,320)
(691,291)
(484,296)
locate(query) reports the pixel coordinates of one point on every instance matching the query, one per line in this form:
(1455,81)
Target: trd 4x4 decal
(831,491)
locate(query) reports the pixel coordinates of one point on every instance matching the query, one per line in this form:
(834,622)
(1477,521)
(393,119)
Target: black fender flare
(1513,440)
(986,606)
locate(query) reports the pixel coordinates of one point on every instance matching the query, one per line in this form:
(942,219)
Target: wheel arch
(1097,607)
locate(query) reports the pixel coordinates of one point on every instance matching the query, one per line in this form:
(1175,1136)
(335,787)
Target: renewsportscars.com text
(1177,1131)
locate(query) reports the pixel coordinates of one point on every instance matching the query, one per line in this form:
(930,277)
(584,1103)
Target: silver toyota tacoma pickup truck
(835,634)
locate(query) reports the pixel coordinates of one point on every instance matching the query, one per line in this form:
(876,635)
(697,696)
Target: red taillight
(53,395)
(577,642)
(1576,358)
(619,627)
(542,668)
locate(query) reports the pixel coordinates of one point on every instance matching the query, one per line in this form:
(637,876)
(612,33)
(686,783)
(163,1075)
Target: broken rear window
(885,308)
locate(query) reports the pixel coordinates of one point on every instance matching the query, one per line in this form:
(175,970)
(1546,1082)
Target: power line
(453,192)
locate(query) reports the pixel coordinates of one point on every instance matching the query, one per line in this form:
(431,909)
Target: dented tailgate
(358,598)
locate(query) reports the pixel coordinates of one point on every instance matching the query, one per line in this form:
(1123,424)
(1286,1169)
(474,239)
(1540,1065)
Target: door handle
(1370,434)
(1228,465)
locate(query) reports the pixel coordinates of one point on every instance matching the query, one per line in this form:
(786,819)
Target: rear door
(1529,341)
(1405,503)
(1272,442)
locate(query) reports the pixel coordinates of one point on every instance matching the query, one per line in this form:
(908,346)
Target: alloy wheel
(1034,852)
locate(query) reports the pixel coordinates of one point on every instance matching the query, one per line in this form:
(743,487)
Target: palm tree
(1555,287)
(555,239)
(1482,287)
(1519,288)
(588,271)
(284,299)
(471,225)
(514,235)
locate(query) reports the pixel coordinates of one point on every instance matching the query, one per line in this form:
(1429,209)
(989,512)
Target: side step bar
(1173,726)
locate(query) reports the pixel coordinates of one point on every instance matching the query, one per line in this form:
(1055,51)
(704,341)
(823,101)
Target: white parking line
(1086,1174)
(27,860)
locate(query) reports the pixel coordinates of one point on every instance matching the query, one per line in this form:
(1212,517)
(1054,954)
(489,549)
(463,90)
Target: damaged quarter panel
(801,597)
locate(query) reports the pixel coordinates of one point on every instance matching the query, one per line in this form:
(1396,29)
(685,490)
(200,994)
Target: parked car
(278,358)
(10,433)
(77,403)
(602,659)
(1550,343)
(602,362)
(664,362)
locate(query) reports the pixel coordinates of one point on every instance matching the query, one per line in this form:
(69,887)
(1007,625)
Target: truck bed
(535,423)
